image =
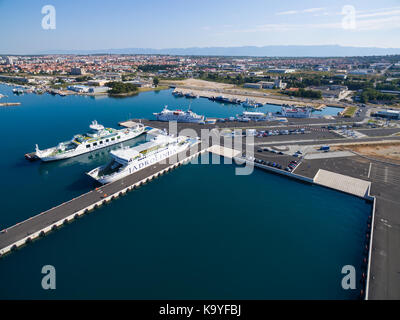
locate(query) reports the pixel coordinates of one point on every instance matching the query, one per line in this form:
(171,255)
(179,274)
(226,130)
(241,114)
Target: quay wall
(56,224)
(370,248)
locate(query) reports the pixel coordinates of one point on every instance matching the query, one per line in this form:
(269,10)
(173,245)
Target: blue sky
(115,24)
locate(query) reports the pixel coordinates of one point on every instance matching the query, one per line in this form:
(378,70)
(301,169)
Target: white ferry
(98,137)
(128,160)
(296,112)
(253,116)
(179,116)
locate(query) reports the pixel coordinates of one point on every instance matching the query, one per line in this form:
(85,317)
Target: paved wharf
(38,225)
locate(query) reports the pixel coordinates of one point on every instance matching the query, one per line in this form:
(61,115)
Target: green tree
(156,81)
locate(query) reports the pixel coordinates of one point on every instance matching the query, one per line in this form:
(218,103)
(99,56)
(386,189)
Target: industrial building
(276,84)
(77,71)
(281,70)
(389,114)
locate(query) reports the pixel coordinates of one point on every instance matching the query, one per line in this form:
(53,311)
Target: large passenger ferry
(98,137)
(128,160)
(296,112)
(253,116)
(179,116)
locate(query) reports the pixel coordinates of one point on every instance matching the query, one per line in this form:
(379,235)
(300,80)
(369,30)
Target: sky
(100,24)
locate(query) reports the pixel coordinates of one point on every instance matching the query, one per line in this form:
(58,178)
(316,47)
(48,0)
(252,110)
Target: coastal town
(354,79)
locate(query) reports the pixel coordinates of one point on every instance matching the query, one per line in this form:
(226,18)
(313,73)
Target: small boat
(250,103)
(191,95)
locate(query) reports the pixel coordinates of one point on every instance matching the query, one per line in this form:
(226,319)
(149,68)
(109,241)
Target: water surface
(197,232)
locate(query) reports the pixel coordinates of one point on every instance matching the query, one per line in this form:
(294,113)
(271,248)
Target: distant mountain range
(268,51)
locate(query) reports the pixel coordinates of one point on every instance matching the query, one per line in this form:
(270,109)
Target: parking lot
(356,167)
(379,132)
(275,158)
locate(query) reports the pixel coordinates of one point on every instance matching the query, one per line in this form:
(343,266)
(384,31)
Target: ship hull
(138,165)
(180,120)
(82,149)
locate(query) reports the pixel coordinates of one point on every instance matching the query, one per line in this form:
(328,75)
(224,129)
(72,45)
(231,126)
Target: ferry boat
(179,116)
(254,116)
(296,112)
(128,160)
(98,137)
(250,103)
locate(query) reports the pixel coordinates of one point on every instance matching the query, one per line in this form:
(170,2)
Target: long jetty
(39,225)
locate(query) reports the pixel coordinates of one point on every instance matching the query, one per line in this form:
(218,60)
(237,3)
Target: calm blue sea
(197,232)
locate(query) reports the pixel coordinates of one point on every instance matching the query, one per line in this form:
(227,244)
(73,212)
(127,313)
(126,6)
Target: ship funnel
(37,150)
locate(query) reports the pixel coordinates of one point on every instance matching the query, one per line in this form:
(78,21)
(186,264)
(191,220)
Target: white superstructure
(126,161)
(253,116)
(296,112)
(179,116)
(98,137)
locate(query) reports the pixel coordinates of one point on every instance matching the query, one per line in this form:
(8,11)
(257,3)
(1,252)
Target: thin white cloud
(312,10)
(378,24)
(378,10)
(286,12)
(385,23)
(379,14)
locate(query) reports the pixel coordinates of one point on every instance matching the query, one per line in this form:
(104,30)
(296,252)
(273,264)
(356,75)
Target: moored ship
(253,116)
(251,103)
(296,112)
(179,116)
(128,160)
(98,137)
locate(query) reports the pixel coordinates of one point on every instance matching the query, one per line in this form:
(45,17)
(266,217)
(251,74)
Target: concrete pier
(37,226)
(343,183)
